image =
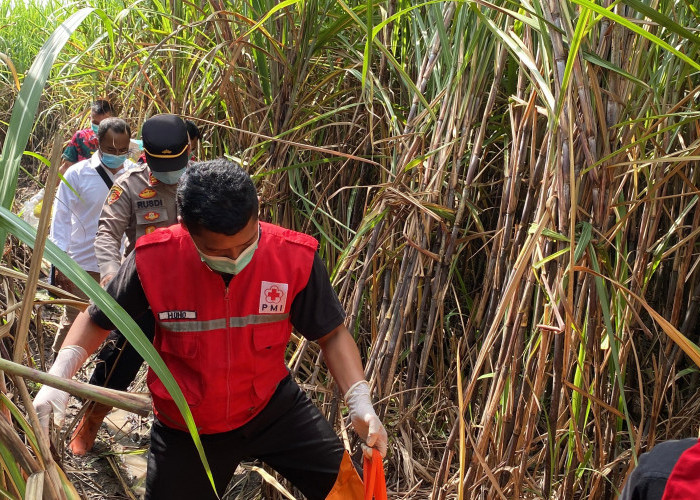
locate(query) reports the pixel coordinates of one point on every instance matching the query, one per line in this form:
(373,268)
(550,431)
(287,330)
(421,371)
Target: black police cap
(165,143)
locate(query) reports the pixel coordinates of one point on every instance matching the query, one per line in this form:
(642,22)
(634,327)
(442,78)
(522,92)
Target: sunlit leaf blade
(123,322)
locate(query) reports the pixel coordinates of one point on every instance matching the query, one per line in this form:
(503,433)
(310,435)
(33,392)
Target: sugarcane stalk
(52,479)
(135,403)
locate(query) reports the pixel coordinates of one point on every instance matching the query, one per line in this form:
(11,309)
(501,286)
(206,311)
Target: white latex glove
(365,420)
(51,400)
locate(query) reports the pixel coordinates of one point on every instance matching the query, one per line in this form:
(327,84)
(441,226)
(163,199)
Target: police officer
(144,199)
(139,202)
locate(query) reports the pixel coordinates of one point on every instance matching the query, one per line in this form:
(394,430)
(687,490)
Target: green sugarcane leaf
(662,20)
(122,321)
(599,61)
(26,105)
(636,29)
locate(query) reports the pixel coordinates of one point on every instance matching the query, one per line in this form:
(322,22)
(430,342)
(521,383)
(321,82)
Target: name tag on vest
(177,315)
(273,297)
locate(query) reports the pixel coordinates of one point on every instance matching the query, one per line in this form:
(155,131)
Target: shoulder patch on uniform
(114,194)
(147,193)
(138,169)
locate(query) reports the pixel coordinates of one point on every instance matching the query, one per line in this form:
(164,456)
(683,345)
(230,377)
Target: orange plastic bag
(375,482)
(348,485)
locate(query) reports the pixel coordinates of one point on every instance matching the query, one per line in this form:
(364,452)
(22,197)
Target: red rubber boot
(85,433)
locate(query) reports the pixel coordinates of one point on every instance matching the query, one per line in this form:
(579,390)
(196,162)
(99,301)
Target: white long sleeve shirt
(76,213)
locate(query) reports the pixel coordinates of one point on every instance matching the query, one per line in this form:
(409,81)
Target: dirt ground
(116,467)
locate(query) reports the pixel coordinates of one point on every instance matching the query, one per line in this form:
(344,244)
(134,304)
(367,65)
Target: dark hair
(192,130)
(101,107)
(118,125)
(217,195)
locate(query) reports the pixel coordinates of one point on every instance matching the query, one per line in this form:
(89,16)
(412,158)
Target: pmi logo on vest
(273,297)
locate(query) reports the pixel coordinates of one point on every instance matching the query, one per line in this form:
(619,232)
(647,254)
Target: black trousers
(290,435)
(117,363)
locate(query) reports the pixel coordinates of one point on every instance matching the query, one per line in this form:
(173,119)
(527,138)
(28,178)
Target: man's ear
(181,222)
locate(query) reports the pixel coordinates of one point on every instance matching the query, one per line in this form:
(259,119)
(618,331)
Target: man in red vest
(225,291)
(669,471)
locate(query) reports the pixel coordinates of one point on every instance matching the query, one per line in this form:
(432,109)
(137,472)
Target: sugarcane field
(350,250)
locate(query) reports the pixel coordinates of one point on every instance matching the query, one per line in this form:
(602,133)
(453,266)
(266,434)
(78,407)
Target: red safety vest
(684,481)
(225,346)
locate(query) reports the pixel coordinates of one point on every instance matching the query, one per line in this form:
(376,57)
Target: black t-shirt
(648,479)
(314,312)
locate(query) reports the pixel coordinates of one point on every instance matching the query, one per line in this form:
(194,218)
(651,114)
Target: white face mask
(169,177)
(230,266)
(112,161)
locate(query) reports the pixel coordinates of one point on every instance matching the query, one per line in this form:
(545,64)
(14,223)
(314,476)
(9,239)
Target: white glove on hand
(51,400)
(365,420)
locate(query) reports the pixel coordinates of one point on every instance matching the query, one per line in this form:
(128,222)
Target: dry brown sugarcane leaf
(272,481)
(35,486)
(688,347)
(487,470)
(594,399)
(59,292)
(9,312)
(299,145)
(117,472)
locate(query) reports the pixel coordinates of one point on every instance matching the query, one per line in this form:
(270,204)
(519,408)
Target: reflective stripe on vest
(219,324)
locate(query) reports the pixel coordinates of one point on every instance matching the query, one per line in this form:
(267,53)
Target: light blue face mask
(95,128)
(169,177)
(230,266)
(112,161)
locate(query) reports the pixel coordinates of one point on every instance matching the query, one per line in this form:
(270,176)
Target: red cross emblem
(273,297)
(273,294)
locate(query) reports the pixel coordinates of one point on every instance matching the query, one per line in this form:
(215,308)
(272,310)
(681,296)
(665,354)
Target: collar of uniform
(152,181)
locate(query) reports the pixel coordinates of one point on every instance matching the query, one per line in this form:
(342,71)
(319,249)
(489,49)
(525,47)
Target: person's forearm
(65,165)
(107,248)
(342,358)
(85,333)
(83,339)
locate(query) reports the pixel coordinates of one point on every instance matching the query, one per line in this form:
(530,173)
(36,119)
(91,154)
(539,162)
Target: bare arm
(65,165)
(342,357)
(85,333)
(343,360)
